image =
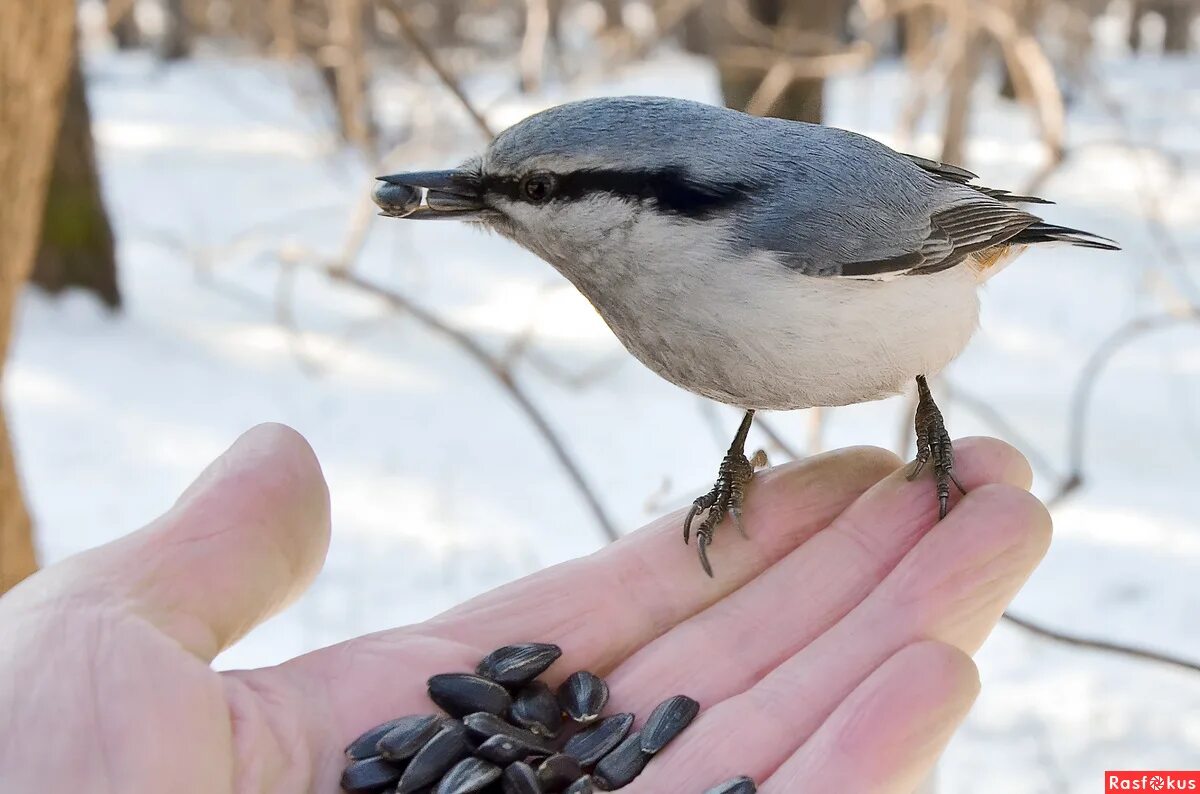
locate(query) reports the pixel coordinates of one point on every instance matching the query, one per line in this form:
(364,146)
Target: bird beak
(455,194)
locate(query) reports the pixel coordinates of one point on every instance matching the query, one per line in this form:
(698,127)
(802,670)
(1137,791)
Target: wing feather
(954,233)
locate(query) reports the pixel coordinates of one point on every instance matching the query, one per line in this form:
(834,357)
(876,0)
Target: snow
(442,490)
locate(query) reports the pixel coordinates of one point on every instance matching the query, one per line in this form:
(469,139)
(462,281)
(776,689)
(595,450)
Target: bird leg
(934,442)
(727,494)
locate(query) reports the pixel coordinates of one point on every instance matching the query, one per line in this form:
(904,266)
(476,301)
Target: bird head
(589,176)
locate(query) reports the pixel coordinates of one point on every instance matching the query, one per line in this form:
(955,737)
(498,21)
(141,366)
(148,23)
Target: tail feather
(1042,232)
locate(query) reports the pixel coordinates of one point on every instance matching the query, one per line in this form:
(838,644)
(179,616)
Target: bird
(763,263)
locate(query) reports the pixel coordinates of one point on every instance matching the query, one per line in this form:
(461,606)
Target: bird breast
(751,332)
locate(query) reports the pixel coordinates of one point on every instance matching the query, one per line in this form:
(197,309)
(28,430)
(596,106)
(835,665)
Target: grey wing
(848,206)
(953,233)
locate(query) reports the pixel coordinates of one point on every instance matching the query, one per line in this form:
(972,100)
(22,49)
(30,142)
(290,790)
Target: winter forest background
(187,195)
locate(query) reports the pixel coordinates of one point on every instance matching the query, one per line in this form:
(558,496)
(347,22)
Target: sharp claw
(702,546)
(687,523)
(736,514)
(957,484)
(943,506)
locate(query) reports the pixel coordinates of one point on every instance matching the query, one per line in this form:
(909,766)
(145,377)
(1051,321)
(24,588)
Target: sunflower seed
(591,744)
(461,694)
(369,774)
(581,786)
(739,785)
(667,721)
(408,734)
(622,765)
(469,774)
(365,745)
(519,778)
(536,709)
(503,750)
(397,199)
(514,665)
(583,696)
(483,726)
(558,771)
(443,751)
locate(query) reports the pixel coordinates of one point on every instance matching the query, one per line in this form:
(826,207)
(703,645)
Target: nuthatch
(763,263)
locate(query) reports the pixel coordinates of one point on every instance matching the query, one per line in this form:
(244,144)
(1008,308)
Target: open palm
(829,654)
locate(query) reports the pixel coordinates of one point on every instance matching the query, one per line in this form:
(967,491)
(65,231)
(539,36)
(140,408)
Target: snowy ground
(440,488)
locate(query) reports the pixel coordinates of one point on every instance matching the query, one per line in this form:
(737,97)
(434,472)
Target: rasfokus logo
(1157,780)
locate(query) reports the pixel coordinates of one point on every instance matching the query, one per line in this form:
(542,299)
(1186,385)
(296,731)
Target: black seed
(622,765)
(482,726)
(739,785)
(397,199)
(558,771)
(592,744)
(536,709)
(581,786)
(469,774)
(365,745)
(504,750)
(583,696)
(369,775)
(461,694)
(443,751)
(514,665)
(667,721)
(408,734)
(519,778)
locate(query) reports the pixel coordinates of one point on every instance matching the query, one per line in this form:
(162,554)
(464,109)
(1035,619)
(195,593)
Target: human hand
(830,654)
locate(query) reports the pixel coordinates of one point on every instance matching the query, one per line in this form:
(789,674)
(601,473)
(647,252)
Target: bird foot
(933,443)
(725,499)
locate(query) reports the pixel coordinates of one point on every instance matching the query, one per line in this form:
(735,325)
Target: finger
(888,734)
(602,607)
(596,608)
(802,595)
(243,541)
(952,587)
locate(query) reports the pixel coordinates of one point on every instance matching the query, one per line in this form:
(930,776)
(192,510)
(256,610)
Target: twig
(1107,646)
(502,376)
(984,410)
(1086,385)
(418,43)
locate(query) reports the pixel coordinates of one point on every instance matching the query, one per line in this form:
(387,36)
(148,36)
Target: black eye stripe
(670,189)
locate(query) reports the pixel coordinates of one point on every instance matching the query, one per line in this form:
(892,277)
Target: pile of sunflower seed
(505,732)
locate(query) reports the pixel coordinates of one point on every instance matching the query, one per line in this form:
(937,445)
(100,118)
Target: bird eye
(538,187)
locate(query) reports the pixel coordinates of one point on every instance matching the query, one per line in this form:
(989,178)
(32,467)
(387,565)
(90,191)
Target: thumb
(244,540)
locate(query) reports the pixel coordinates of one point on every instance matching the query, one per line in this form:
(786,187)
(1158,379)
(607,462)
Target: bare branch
(418,43)
(1085,387)
(1121,649)
(503,376)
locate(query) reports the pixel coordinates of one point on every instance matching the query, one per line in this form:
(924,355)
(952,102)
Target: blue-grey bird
(763,263)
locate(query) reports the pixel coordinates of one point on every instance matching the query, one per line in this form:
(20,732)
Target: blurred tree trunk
(963,75)
(349,73)
(612,13)
(122,23)
(176,42)
(282,15)
(804,100)
(36,47)
(77,241)
(1178,16)
(1177,20)
(445,28)
(1027,14)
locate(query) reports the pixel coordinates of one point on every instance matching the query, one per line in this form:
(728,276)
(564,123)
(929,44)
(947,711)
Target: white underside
(755,333)
(780,340)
